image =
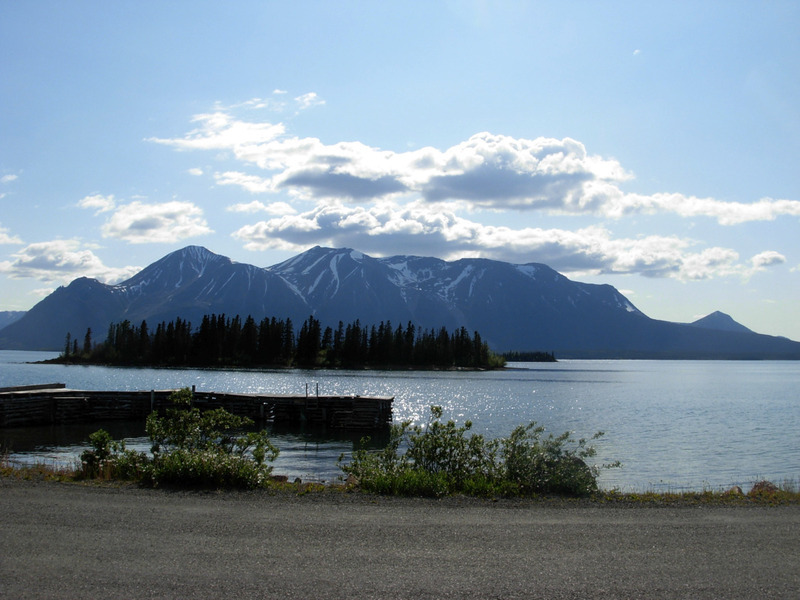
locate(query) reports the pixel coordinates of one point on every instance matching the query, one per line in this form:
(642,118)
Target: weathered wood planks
(35,405)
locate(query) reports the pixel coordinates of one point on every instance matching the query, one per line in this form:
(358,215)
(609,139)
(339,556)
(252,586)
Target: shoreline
(763,494)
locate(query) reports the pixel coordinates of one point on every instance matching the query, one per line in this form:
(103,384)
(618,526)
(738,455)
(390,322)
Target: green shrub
(108,459)
(551,465)
(442,458)
(189,448)
(208,469)
(445,448)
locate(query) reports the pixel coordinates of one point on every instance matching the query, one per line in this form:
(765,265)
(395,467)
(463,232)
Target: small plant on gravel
(441,458)
(190,448)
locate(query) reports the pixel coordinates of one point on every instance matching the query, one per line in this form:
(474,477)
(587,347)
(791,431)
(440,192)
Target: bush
(551,465)
(189,448)
(442,459)
(109,459)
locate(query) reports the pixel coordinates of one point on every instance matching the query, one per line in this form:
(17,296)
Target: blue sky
(652,146)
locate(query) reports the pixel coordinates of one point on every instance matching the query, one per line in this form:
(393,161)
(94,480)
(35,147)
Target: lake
(675,425)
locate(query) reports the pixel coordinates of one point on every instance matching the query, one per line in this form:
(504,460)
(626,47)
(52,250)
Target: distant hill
(514,307)
(720,321)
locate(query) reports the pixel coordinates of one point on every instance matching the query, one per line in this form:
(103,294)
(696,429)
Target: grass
(784,494)
(36,471)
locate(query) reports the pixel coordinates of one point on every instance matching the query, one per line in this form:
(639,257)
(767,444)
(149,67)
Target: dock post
(318,390)
(152,400)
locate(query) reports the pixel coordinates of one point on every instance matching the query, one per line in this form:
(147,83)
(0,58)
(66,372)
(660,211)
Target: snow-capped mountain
(513,307)
(192,282)
(510,305)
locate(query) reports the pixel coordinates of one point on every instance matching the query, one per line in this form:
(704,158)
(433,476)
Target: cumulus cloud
(98,202)
(387,202)
(140,223)
(491,171)
(7,238)
(767,259)
(252,183)
(388,228)
(61,261)
(273,208)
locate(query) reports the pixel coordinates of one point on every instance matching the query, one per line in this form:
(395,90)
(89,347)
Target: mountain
(514,307)
(9,316)
(188,283)
(720,321)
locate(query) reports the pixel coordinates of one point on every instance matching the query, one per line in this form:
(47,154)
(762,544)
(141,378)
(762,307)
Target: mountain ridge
(513,306)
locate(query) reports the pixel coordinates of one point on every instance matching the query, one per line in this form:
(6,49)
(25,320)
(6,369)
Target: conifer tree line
(230,341)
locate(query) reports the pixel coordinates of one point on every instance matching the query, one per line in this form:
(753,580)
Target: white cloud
(273,208)
(710,263)
(220,131)
(252,183)
(196,171)
(486,171)
(388,228)
(98,202)
(726,213)
(7,238)
(767,259)
(140,223)
(61,261)
(308,100)
(8,178)
(387,202)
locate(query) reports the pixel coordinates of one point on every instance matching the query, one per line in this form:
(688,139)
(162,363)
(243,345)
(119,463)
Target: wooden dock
(55,404)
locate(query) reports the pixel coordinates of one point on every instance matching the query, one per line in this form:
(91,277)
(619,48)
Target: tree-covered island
(222,341)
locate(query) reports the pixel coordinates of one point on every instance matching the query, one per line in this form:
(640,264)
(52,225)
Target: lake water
(675,425)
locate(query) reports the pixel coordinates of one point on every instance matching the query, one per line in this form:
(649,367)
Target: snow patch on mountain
(447,290)
(400,274)
(529,270)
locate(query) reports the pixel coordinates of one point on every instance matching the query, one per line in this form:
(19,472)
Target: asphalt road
(71,541)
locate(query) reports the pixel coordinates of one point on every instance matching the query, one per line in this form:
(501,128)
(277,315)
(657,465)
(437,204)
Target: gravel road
(74,541)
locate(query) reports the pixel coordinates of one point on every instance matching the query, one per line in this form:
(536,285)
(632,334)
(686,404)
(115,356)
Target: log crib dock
(55,404)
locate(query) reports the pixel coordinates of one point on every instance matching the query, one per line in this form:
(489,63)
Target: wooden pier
(55,404)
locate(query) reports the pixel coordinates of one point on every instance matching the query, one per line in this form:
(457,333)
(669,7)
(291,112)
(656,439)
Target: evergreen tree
(87,343)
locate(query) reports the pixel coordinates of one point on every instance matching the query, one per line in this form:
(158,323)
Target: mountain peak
(179,266)
(720,321)
(306,261)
